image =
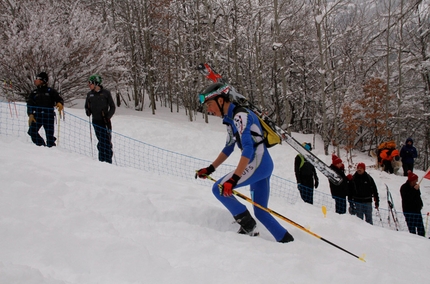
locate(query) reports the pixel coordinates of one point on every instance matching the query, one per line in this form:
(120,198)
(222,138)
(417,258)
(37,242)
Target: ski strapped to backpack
(273,134)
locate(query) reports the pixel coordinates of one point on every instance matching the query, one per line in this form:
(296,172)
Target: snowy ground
(67,218)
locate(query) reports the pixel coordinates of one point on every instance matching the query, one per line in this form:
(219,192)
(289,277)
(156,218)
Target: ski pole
(16,111)
(59,120)
(379,214)
(10,109)
(274,213)
(427,222)
(91,137)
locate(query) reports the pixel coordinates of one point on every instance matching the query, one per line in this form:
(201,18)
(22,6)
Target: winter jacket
(305,172)
(408,152)
(364,188)
(411,199)
(388,155)
(100,105)
(41,98)
(341,190)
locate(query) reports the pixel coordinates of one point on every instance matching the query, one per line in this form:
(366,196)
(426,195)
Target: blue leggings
(258,177)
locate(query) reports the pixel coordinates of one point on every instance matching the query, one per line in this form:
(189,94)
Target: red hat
(412,176)
(361,165)
(335,160)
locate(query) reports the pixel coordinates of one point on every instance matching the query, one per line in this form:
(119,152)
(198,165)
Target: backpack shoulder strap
(239,108)
(302,160)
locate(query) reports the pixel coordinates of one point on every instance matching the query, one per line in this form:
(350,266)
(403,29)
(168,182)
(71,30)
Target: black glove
(352,209)
(317,183)
(87,112)
(203,173)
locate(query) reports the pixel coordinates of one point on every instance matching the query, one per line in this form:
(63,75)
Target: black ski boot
(287,238)
(248,226)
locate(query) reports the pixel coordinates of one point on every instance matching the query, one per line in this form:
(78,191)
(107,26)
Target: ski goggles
(221,91)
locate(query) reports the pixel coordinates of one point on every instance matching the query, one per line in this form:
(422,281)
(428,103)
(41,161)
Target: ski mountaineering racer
(254,167)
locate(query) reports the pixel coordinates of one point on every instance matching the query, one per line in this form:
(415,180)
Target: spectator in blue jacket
(408,153)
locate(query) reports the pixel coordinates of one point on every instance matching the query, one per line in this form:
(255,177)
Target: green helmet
(95,79)
(213,91)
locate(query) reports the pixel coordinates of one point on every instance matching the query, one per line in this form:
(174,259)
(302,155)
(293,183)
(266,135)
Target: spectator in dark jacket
(408,153)
(306,176)
(412,204)
(100,105)
(362,192)
(341,191)
(40,110)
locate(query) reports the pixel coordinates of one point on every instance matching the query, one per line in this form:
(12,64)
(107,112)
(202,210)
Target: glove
(87,112)
(317,183)
(349,177)
(376,203)
(60,107)
(202,173)
(352,209)
(31,119)
(227,188)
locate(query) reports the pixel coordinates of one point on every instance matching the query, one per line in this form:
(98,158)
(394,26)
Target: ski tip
(362,257)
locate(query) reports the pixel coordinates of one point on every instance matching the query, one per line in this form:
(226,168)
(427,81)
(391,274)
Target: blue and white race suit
(256,174)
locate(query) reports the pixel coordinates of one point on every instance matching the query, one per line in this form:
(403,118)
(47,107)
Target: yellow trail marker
(324,210)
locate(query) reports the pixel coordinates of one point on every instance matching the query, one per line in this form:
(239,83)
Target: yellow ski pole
(274,213)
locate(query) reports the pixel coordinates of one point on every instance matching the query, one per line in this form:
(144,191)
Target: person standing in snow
(412,204)
(100,105)
(362,192)
(408,153)
(306,176)
(40,110)
(340,191)
(254,167)
(388,156)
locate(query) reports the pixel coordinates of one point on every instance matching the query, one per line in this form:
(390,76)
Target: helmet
(307,146)
(213,91)
(95,79)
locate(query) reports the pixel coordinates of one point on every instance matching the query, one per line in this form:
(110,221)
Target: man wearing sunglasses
(254,167)
(100,105)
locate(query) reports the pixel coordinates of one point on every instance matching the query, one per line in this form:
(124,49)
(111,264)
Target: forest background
(356,72)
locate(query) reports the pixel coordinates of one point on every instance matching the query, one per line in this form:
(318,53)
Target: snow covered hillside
(67,218)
